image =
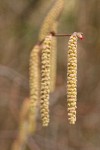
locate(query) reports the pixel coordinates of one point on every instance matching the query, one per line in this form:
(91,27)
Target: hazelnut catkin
(53,59)
(23,127)
(34,79)
(45,80)
(72,78)
(52,16)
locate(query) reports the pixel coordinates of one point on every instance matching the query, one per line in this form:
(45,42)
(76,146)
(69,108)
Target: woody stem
(55,34)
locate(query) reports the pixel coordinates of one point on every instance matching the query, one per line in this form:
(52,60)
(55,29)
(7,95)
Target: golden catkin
(53,59)
(72,78)
(34,79)
(51,17)
(45,80)
(23,132)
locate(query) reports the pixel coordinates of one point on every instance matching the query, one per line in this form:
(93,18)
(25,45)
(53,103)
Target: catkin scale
(45,80)
(72,78)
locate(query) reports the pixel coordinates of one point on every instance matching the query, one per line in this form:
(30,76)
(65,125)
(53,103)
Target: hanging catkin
(72,76)
(23,127)
(53,59)
(45,80)
(50,19)
(34,79)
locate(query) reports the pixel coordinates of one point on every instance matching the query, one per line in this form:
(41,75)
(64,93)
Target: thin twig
(54,34)
(59,35)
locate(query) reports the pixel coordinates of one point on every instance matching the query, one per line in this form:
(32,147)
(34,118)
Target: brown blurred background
(20,22)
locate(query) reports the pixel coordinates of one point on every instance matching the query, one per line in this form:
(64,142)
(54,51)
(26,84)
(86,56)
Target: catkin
(53,59)
(34,79)
(51,17)
(72,78)
(45,80)
(23,127)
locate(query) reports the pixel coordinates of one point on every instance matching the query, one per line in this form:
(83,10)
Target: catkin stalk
(45,80)
(72,78)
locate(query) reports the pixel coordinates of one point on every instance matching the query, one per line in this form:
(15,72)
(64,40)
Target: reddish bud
(82,38)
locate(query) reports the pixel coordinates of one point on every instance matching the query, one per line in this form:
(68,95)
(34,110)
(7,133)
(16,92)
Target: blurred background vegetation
(20,23)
